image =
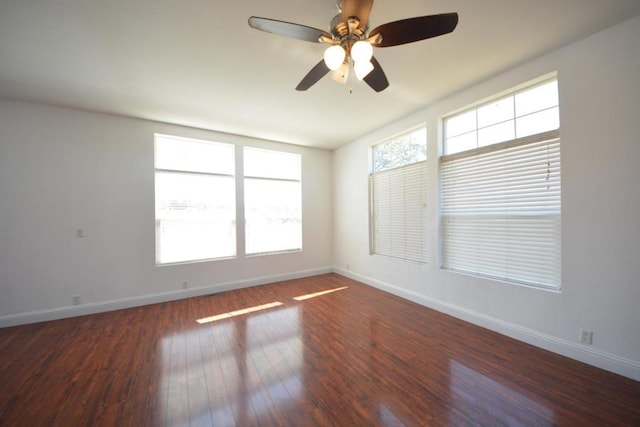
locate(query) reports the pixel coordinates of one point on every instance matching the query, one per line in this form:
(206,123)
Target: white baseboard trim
(103,306)
(589,355)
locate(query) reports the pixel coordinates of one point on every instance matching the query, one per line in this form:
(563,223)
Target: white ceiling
(197,63)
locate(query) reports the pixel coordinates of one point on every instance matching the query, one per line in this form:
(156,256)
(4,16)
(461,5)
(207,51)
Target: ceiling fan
(351,43)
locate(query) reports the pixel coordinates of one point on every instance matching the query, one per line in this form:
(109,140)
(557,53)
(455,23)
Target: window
(195,200)
(272,201)
(528,112)
(398,192)
(500,189)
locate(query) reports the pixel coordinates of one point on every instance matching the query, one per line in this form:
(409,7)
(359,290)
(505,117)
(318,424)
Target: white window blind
(398,211)
(500,211)
(272,201)
(195,200)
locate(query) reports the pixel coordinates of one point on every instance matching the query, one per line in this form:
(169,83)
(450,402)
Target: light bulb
(362,69)
(341,74)
(361,51)
(334,56)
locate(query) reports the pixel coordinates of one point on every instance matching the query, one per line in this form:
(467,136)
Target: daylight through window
(195,200)
(500,189)
(398,197)
(272,201)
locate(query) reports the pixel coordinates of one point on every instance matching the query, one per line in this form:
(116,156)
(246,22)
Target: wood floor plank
(351,355)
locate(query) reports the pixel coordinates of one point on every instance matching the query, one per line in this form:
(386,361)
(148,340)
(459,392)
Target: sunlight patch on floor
(317,294)
(238,312)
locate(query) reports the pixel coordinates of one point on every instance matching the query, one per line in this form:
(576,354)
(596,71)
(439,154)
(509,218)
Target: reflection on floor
(324,351)
(485,398)
(228,374)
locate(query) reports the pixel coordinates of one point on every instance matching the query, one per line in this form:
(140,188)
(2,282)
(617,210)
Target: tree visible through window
(398,187)
(403,150)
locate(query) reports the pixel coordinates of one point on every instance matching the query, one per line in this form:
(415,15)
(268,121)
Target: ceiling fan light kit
(341,74)
(361,51)
(334,56)
(351,42)
(362,69)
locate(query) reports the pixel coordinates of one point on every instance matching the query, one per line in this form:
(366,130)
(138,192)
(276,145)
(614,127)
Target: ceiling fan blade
(288,29)
(414,29)
(358,8)
(376,79)
(312,77)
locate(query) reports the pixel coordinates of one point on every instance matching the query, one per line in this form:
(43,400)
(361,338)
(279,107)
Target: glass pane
(195,216)
(538,122)
(418,142)
(404,150)
(536,99)
(194,156)
(465,142)
(273,215)
(271,164)
(495,112)
(496,133)
(462,123)
(183,241)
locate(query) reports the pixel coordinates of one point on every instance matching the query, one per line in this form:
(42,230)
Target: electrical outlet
(586,337)
(75,300)
(185,284)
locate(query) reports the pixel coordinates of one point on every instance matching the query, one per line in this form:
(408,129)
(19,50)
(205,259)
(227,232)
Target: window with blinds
(195,198)
(272,201)
(398,197)
(500,201)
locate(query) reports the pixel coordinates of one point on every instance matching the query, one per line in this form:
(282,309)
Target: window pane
(501,213)
(271,164)
(536,99)
(538,122)
(467,141)
(403,150)
(495,112)
(398,207)
(195,156)
(462,123)
(500,208)
(183,241)
(496,119)
(273,215)
(496,133)
(195,217)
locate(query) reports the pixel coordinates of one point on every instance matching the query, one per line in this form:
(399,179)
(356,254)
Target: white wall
(63,170)
(600,137)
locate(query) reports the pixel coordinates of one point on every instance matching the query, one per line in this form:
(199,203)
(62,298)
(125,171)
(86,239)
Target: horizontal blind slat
(398,198)
(500,213)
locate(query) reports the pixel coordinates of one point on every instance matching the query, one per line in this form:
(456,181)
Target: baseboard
(598,358)
(103,306)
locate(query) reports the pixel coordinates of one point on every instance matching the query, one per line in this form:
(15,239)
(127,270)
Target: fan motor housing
(340,29)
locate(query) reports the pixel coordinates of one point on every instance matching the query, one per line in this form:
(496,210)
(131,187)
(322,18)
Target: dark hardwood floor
(356,356)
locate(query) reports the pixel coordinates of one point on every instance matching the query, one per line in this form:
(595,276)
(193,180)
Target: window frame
(255,177)
(502,149)
(419,166)
(513,93)
(194,173)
